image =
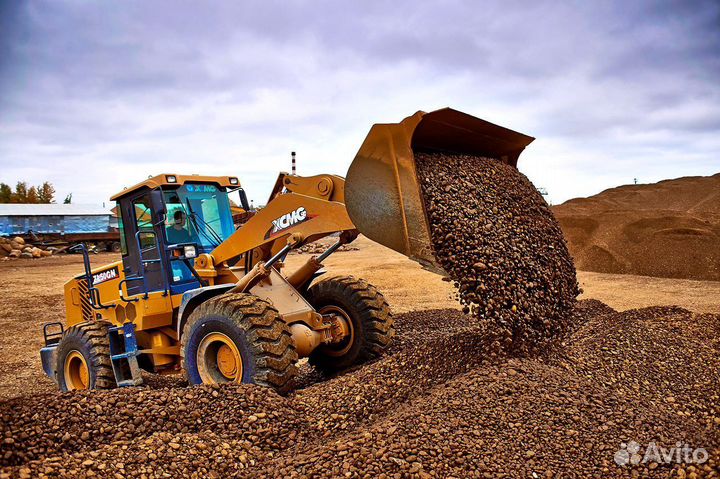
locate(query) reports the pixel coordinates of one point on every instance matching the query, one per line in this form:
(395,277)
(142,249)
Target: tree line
(42,194)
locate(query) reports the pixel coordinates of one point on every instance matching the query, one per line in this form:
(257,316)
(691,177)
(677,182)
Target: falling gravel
(496,237)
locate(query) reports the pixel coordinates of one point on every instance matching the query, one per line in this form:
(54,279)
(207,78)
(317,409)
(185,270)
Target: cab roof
(165,179)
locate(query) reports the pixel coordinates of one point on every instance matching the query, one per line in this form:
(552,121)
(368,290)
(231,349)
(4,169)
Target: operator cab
(165,222)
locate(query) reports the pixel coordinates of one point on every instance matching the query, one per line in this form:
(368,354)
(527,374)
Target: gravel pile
(442,403)
(51,424)
(496,237)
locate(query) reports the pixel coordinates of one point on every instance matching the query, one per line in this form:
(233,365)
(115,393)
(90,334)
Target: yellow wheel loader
(195,293)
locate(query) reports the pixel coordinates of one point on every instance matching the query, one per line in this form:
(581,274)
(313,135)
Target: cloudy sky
(95,96)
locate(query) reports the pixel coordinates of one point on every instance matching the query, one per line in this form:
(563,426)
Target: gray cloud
(612,90)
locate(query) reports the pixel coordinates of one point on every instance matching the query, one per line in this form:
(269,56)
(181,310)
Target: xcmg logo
(287,220)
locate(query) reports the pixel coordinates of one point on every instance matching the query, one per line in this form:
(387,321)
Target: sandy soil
(668,229)
(31,292)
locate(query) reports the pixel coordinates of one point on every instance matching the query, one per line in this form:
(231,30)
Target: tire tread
(371,307)
(268,336)
(95,334)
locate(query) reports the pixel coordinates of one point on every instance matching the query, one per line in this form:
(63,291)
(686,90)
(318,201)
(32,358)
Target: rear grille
(87,311)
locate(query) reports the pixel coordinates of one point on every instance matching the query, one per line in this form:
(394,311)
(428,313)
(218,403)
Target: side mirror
(158,205)
(243,199)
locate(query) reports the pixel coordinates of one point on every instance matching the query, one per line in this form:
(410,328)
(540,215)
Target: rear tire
(366,310)
(236,338)
(83,358)
(114,247)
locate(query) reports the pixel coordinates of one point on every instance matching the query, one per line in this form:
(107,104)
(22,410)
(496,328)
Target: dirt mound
(667,229)
(496,237)
(438,405)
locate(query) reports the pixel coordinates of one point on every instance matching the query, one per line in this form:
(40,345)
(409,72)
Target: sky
(97,96)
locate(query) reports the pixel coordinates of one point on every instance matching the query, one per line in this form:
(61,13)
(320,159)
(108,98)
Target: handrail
(93,292)
(120,293)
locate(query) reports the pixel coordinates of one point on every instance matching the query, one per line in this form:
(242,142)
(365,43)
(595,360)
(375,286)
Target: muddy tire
(238,338)
(369,317)
(83,358)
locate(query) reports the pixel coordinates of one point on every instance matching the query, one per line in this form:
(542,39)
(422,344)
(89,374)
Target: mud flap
(48,354)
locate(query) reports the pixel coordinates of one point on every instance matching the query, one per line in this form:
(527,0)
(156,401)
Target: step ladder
(123,355)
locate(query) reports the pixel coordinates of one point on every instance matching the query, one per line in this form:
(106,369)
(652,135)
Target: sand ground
(31,294)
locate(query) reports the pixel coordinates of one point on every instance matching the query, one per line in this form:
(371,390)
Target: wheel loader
(195,293)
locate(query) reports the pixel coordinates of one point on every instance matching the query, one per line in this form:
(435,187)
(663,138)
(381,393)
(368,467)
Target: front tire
(238,338)
(368,317)
(83,358)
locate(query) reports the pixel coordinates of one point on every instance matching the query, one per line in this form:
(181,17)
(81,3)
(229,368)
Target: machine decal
(107,275)
(287,220)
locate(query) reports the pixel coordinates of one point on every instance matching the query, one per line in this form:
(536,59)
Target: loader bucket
(382,191)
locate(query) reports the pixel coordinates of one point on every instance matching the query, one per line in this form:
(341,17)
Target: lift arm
(300,210)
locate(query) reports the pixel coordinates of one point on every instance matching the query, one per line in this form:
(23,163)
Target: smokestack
(294,171)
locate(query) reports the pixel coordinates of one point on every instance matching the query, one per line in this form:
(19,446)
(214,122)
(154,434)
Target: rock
(26,254)
(15,253)
(18,240)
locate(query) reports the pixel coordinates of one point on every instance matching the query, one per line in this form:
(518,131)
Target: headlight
(233,181)
(171,179)
(190,252)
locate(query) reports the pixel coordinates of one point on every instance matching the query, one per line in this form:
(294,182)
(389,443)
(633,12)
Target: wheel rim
(77,374)
(219,360)
(343,346)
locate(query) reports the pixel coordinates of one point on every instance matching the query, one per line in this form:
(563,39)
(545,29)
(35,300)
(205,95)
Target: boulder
(46,253)
(27,249)
(19,240)
(6,246)
(15,253)
(15,245)
(36,252)
(25,254)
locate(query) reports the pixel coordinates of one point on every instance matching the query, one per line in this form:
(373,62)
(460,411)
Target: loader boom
(306,208)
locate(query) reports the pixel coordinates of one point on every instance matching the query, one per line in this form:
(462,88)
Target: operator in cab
(178,232)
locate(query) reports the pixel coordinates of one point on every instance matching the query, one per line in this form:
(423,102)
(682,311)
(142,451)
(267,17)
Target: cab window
(198,213)
(143,220)
(121,230)
(177,227)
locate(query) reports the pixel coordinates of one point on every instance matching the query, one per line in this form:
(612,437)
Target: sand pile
(435,406)
(496,237)
(667,229)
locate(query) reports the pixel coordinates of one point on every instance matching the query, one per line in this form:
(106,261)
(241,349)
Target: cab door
(143,262)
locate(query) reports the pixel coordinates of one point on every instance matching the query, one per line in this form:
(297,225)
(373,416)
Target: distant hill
(667,229)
